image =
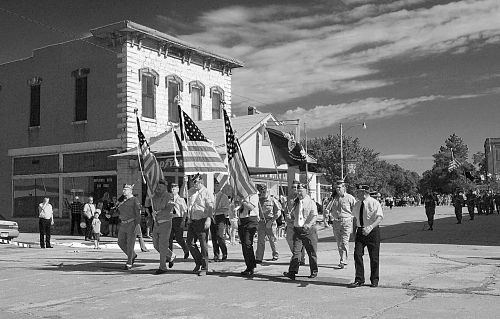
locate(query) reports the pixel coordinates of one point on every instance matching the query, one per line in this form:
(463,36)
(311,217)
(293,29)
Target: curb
(19,244)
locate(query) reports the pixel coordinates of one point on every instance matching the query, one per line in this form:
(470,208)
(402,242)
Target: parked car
(8,228)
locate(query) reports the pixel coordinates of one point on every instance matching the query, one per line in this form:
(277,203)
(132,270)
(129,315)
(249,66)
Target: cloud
(371,108)
(295,51)
(396,157)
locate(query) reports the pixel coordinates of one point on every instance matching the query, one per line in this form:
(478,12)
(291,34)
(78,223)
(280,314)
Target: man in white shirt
(368,213)
(340,212)
(179,214)
(88,215)
(304,216)
(45,221)
(200,210)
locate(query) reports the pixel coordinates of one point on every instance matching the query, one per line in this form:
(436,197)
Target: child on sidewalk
(96,230)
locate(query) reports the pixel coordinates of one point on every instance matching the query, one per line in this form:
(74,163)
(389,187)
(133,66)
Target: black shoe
(289,275)
(313,275)
(224,258)
(341,266)
(247,273)
(275,258)
(186,254)
(145,250)
(43,247)
(197,268)
(355,284)
(49,247)
(171,264)
(159,271)
(374,284)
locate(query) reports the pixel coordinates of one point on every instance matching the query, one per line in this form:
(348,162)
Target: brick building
(71,105)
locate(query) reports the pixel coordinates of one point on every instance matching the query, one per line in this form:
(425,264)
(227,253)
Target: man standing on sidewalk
(46,220)
(340,209)
(270,211)
(88,215)
(200,208)
(368,213)
(76,215)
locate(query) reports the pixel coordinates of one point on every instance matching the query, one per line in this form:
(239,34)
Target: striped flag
(151,170)
(239,178)
(199,155)
(454,164)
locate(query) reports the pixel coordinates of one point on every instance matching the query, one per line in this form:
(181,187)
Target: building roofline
(130,26)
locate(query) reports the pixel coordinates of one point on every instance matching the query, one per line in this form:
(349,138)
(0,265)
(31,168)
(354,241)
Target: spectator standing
(114,219)
(233,220)
(88,214)
(76,208)
(430,203)
(45,221)
(96,229)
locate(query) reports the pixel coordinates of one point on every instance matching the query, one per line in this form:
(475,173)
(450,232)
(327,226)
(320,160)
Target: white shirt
(372,210)
(45,211)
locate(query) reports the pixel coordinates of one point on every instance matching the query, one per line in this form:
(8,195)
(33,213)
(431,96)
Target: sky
(415,71)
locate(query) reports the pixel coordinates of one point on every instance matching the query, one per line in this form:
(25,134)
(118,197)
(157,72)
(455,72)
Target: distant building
(492,155)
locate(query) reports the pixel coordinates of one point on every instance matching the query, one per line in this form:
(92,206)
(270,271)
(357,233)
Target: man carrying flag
(239,179)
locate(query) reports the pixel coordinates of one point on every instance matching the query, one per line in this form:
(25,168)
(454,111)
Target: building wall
(55,64)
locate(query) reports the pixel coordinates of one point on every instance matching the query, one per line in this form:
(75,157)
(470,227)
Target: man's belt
(163,221)
(340,218)
(128,221)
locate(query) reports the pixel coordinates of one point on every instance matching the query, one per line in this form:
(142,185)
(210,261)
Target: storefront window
(83,187)
(28,193)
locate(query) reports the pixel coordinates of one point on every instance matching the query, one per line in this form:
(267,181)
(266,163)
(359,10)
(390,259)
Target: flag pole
(307,169)
(145,180)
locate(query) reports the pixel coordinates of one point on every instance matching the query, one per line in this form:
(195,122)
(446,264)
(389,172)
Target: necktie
(300,220)
(361,214)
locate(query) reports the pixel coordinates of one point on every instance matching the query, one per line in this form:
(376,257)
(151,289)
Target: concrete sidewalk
(451,272)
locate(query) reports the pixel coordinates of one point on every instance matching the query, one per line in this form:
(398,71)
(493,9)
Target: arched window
(150,80)
(174,86)
(197,90)
(217,96)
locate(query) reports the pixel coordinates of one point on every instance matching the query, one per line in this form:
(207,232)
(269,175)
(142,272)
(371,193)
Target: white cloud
(372,108)
(397,156)
(291,51)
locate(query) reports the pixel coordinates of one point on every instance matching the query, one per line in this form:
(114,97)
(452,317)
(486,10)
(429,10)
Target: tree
(439,178)
(386,178)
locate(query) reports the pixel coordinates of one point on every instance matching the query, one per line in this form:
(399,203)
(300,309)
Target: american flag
(454,164)
(151,169)
(239,178)
(199,155)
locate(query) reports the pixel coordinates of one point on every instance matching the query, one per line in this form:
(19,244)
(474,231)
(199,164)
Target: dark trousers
(430,212)
(177,233)
(44,225)
(88,229)
(217,229)
(197,232)
(372,242)
(246,231)
(75,223)
(458,213)
(308,239)
(470,208)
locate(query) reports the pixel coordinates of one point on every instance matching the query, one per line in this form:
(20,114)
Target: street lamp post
(342,146)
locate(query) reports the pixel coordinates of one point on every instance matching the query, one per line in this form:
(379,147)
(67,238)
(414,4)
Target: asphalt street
(451,272)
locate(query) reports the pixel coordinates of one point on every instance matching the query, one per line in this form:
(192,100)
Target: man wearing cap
(218,226)
(200,210)
(179,213)
(270,211)
(368,213)
(130,216)
(76,208)
(304,216)
(162,204)
(289,222)
(340,210)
